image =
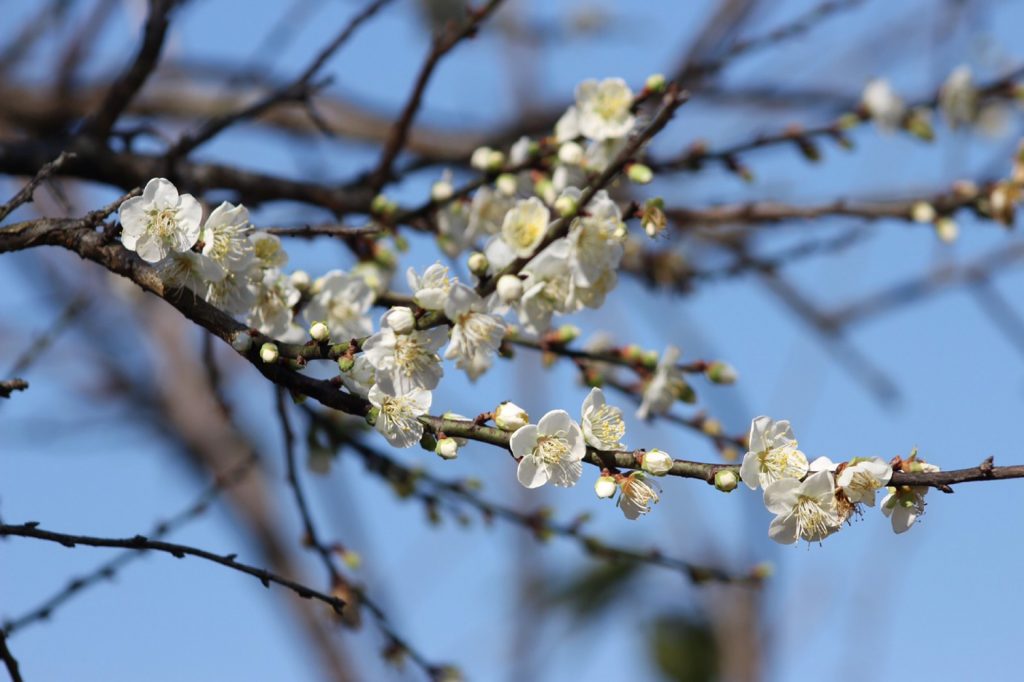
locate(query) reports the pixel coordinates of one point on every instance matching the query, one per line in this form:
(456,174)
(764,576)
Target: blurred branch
(10,662)
(142,543)
(9,386)
(25,194)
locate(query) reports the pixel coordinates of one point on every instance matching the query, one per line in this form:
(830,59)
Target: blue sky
(931,604)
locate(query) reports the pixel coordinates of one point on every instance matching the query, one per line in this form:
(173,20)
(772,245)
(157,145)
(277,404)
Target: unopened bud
(655,83)
(346,363)
(639,173)
(400,319)
(721,373)
(300,280)
(657,462)
(566,206)
(382,206)
(567,333)
(477,263)
(510,417)
(726,480)
(447,448)
(318,331)
(919,124)
(269,353)
(479,157)
(545,189)
(507,184)
(241,342)
(605,487)
(922,212)
(442,190)
(509,288)
(371,415)
(946,230)
(570,153)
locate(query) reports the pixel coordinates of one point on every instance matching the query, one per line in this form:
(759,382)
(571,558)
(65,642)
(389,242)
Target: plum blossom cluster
(812,500)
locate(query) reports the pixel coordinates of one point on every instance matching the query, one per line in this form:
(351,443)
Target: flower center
(551,449)
(780,463)
(164,221)
(607,424)
(410,357)
(813,522)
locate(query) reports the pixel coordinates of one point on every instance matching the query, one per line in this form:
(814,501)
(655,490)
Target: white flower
(596,240)
(803,509)
(570,153)
(547,288)
(360,377)
(773,454)
(342,301)
(453,231)
(664,387)
(959,97)
(377,275)
(637,495)
(236,293)
(884,105)
(904,505)
(189,269)
(525,226)
(226,240)
(603,427)
(657,462)
(407,360)
(430,291)
(602,111)
(605,487)
(509,288)
(862,477)
(487,211)
(398,414)
(160,221)
(510,417)
(272,311)
(267,249)
(476,334)
(550,450)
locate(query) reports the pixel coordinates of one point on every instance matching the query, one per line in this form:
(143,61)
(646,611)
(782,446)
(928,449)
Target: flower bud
(653,218)
(605,487)
(726,480)
(478,264)
(719,372)
(318,331)
(545,189)
(565,206)
(400,319)
(567,333)
(655,83)
(269,353)
(570,153)
(922,212)
(442,190)
(447,448)
(351,559)
(919,124)
(507,184)
(509,288)
(657,462)
(509,416)
(346,363)
(241,342)
(639,173)
(495,160)
(371,415)
(480,157)
(711,426)
(382,206)
(946,230)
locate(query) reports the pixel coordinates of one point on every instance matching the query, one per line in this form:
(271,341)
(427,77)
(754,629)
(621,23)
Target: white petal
(783,529)
(161,193)
(524,440)
(531,473)
(555,421)
(750,470)
(565,474)
(781,496)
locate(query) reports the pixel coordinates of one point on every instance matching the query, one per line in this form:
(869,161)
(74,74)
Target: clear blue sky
(940,602)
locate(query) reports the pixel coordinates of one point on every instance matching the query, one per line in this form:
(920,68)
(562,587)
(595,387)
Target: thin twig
(9,386)
(10,662)
(25,194)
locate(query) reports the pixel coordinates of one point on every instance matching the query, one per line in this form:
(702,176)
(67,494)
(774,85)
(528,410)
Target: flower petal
(531,473)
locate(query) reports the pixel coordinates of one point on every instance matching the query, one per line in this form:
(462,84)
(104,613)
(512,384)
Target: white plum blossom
(487,211)
(160,221)
(225,238)
(664,387)
(267,249)
(603,427)
(862,477)
(959,97)
(905,504)
(275,298)
(550,450)
(476,334)
(637,495)
(525,226)
(547,288)
(407,360)
(510,417)
(341,302)
(803,509)
(398,413)
(596,240)
(773,454)
(453,228)
(236,293)
(430,291)
(602,111)
(883,104)
(189,269)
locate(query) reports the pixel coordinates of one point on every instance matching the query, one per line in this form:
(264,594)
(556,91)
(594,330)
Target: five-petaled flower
(160,221)
(550,450)
(773,454)
(803,509)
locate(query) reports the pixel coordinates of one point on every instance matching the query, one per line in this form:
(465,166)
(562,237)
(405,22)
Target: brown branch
(443,44)
(9,386)
(132,79)
(10,662)
(142,543)
(25,194)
